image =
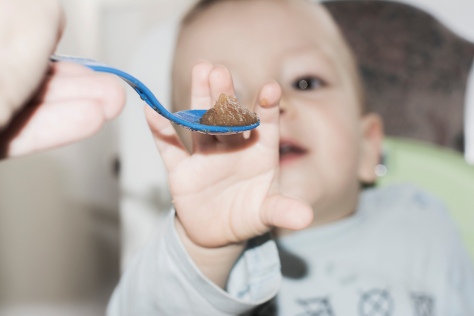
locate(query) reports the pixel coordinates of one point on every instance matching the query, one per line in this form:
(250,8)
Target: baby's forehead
(245,31)
(250,12)
(257,24)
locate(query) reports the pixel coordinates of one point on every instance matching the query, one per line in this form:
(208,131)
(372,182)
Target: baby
(389,251)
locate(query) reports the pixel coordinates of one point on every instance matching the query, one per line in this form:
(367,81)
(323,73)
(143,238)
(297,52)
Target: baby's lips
(289,146)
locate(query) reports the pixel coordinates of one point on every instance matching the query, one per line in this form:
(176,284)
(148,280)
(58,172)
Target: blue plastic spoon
(189,119)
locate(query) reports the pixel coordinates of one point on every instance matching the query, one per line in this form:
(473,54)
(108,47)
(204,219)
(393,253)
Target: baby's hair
(197,8)
(201,6)
(204,5)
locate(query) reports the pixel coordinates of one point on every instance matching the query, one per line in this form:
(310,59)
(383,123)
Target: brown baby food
(228,112)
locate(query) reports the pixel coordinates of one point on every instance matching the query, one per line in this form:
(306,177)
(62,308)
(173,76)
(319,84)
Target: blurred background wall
(59,227)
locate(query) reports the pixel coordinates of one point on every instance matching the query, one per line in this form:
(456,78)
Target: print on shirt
(423,304)
(316,306)
(376,302)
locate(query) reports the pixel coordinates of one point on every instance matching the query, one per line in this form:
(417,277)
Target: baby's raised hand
(226,191)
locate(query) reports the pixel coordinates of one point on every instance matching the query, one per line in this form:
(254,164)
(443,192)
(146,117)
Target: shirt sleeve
(163,280)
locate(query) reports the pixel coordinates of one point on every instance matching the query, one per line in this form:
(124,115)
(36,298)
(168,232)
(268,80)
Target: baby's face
(296,44)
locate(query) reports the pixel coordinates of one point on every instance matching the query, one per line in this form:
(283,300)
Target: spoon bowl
(189,119)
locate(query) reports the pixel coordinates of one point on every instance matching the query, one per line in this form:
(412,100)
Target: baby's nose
(285,108)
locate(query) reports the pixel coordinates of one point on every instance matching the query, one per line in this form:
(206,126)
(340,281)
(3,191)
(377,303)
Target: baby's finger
(285,212)
(220,81)
(201,100)
(167,140)
(267,109)
(200,89)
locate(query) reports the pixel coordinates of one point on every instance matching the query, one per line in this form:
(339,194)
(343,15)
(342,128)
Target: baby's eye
(308,83)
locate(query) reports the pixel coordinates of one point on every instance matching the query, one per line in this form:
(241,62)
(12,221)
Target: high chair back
(415,70)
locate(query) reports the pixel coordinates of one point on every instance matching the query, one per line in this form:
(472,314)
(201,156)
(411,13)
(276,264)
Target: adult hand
(44,105)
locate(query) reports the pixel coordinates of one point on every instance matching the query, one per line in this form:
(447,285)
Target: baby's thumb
(285,212)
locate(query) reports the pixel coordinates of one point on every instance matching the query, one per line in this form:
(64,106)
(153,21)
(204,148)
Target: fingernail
(264,103)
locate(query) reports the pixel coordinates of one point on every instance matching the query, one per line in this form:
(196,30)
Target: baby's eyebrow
(311,50)
(311,53)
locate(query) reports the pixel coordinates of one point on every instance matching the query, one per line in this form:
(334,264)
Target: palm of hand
(219,194)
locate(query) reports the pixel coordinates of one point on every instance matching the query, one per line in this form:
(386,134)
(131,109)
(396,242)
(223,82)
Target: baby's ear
(370,146)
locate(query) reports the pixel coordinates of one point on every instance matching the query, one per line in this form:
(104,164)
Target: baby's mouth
(290,151)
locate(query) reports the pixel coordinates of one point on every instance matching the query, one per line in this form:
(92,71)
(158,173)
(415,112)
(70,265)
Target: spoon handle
(189,119)
(145,94)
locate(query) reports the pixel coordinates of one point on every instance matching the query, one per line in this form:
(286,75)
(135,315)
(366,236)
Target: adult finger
(62,24)
(68,108)
(167,140)
(104,88)
(50,125)
(29,33)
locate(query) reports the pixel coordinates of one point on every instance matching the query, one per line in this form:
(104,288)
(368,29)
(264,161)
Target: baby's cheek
(342,159)
(299,182)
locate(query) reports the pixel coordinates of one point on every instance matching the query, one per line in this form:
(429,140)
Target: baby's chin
(308,185)
(291,186)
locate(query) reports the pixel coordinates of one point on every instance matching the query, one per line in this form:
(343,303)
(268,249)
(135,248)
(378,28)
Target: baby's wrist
(214,263)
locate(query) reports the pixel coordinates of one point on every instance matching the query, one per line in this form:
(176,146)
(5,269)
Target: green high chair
(438,170)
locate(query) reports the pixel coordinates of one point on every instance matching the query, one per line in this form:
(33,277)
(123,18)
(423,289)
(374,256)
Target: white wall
(456,14)
(59,235)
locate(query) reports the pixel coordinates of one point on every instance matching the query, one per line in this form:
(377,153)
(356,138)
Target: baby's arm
(227,191)
(224,194)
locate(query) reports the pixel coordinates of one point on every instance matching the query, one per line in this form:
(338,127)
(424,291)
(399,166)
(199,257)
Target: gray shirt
(399,254)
